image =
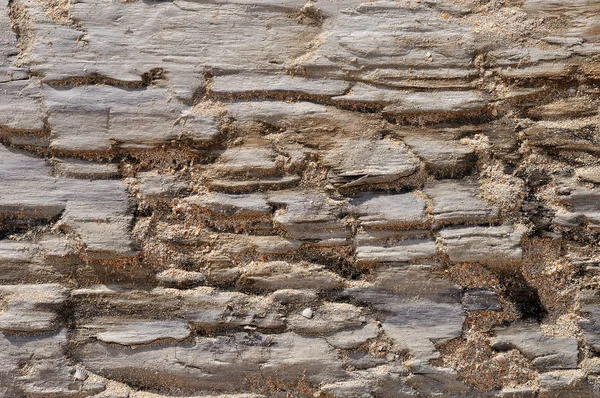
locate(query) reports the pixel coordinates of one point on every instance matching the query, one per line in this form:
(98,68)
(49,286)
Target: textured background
(299,199)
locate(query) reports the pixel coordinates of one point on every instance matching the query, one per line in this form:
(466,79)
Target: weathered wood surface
(259,198)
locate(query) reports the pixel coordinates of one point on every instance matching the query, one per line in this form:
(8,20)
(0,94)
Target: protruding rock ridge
(260,198)
(96,212)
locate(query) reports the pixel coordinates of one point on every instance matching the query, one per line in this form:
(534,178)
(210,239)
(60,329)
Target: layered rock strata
(257,198)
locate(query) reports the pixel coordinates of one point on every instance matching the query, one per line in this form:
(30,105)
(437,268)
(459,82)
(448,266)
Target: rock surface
(260,198)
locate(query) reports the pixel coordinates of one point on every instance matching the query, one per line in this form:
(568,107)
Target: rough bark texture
(332,198)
